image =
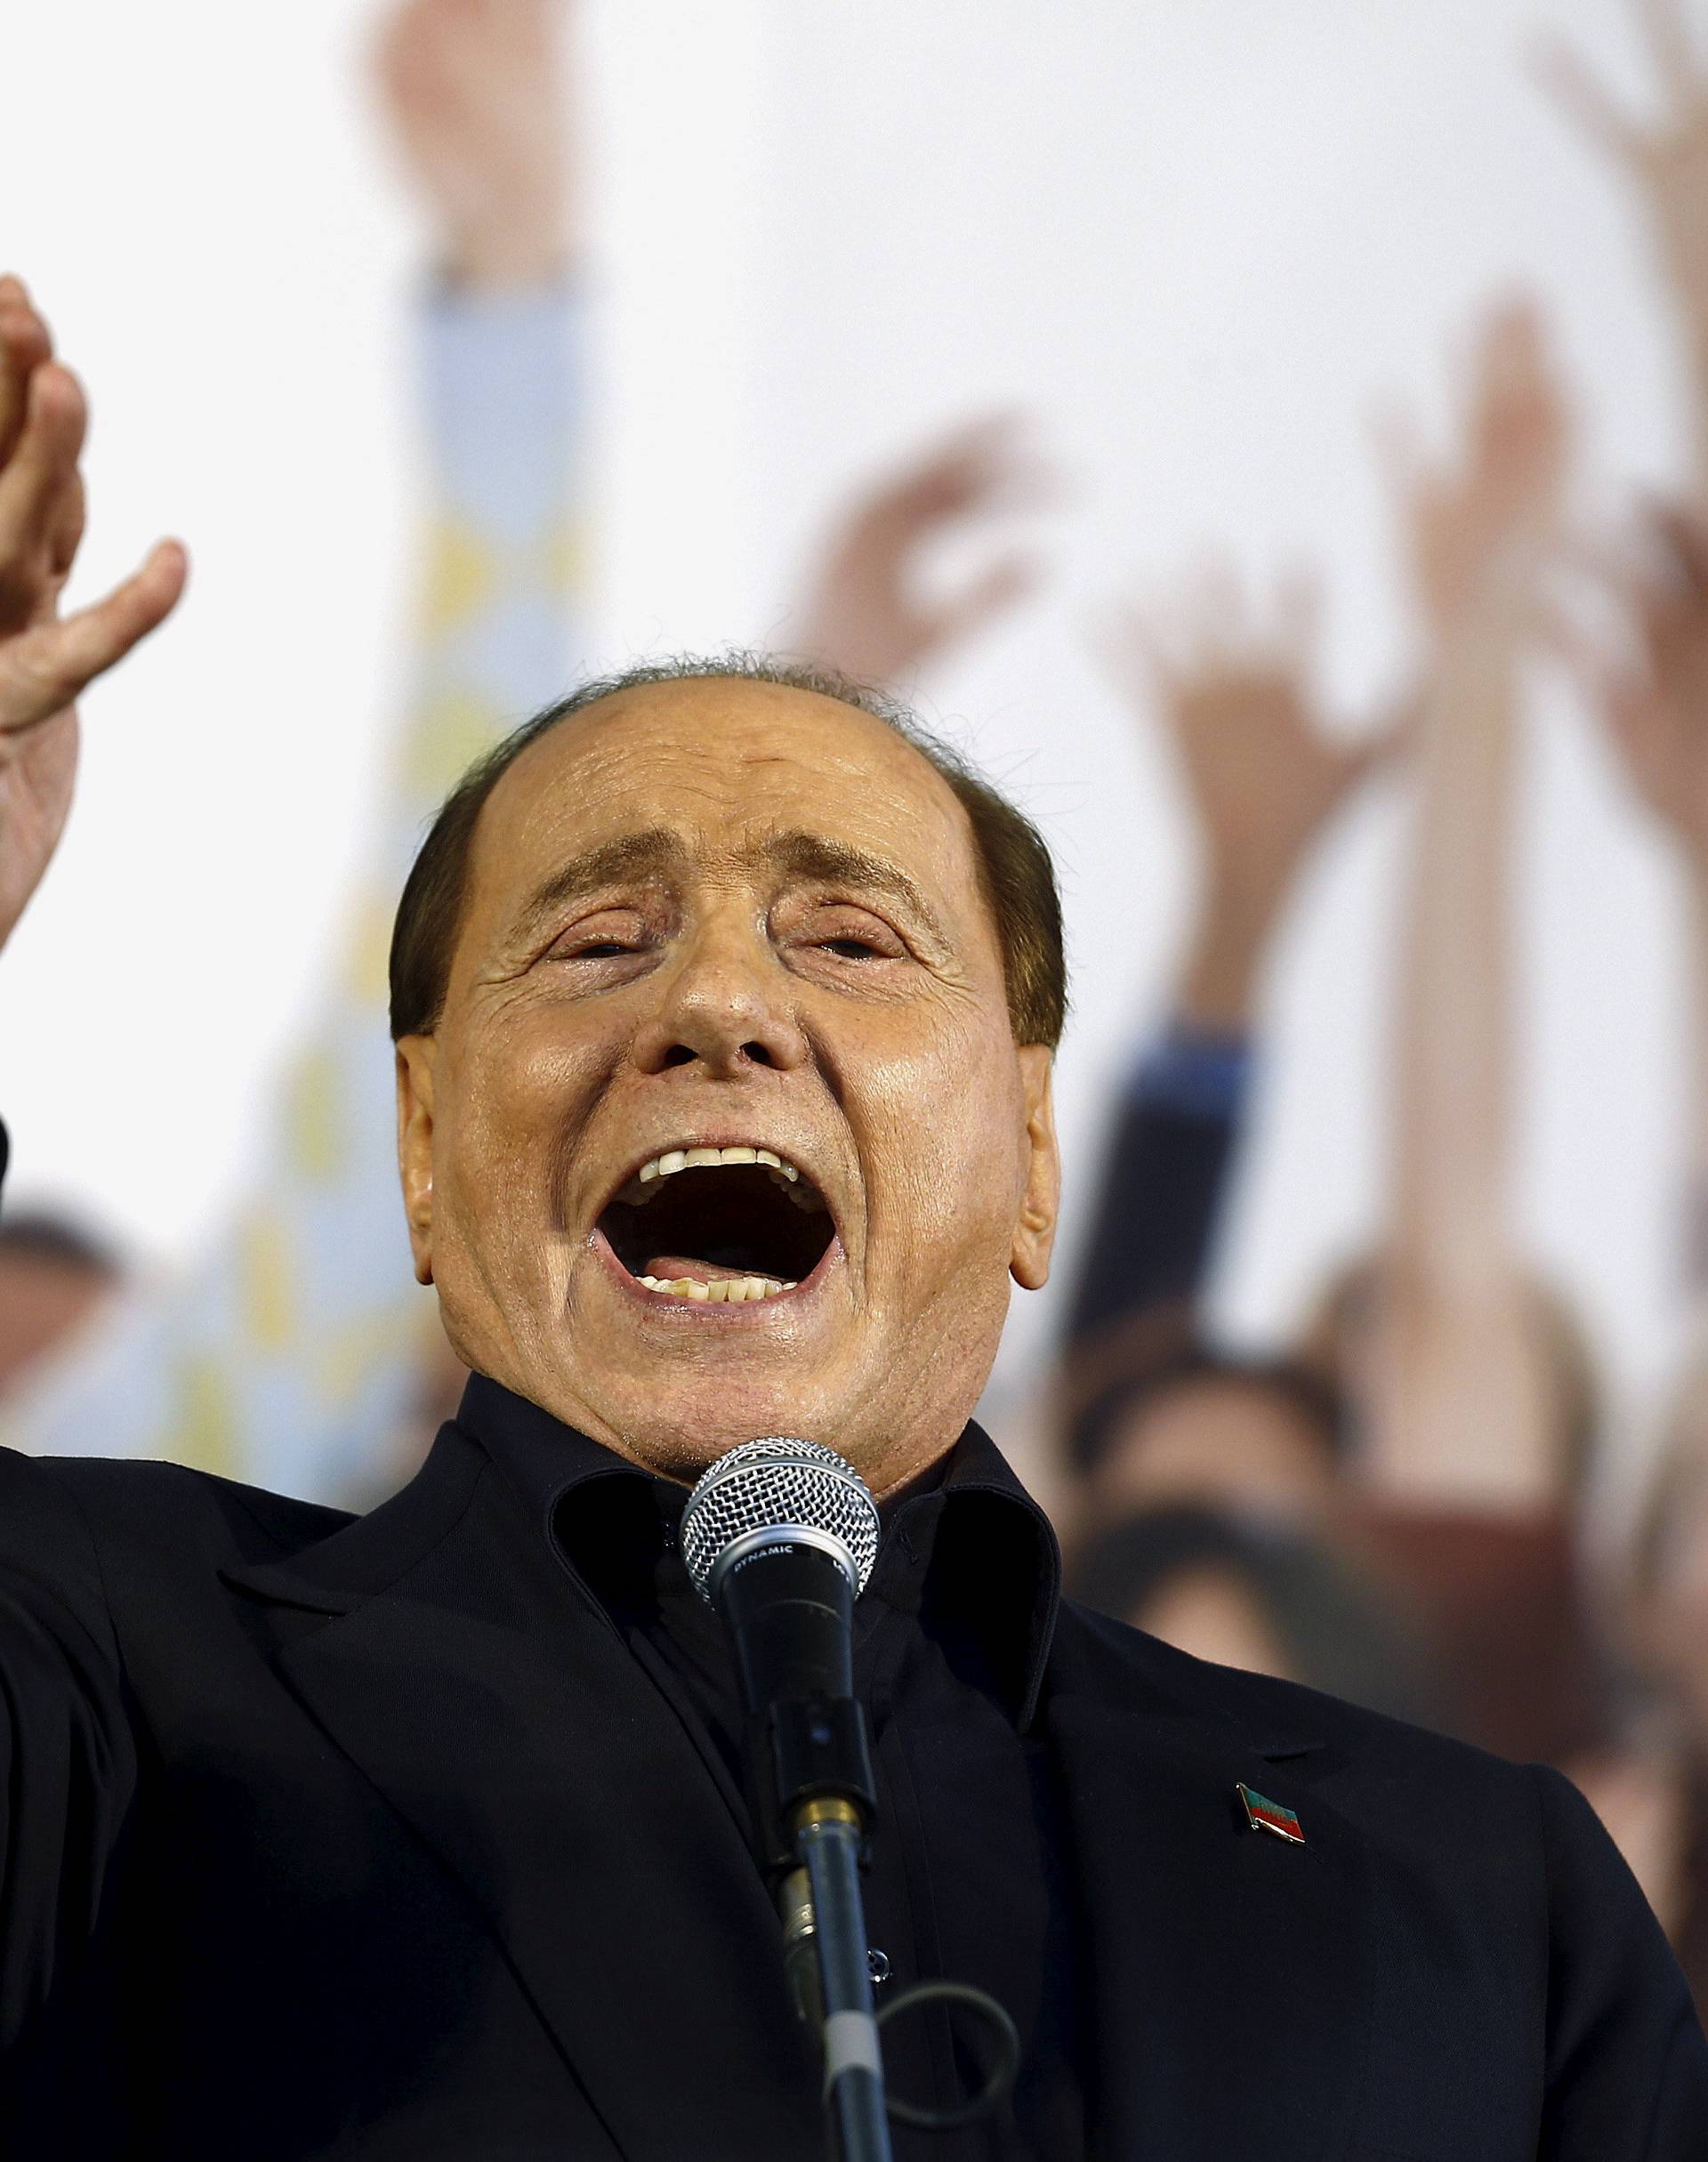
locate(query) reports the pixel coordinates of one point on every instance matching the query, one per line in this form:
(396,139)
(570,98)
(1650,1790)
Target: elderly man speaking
(724,1007)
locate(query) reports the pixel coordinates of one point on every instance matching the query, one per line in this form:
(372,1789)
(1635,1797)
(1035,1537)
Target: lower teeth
(727,1291)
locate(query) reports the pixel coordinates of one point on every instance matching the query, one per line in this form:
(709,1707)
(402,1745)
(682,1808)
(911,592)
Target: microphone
(780,1535)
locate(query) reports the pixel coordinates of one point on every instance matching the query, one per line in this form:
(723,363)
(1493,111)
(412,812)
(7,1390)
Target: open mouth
(727,1225)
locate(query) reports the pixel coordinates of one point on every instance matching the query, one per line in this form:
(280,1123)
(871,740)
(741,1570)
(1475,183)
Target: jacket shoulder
(1286,1719)
(148,1509)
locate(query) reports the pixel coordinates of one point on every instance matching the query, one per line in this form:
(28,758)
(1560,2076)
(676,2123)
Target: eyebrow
(657,853)
(636,856)
(811,857)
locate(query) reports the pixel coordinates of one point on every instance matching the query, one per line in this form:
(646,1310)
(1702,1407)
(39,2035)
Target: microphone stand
(824,1913)
(812,1770)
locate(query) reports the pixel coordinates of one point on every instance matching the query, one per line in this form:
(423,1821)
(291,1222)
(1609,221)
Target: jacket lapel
(522,1744)
(1231,1973)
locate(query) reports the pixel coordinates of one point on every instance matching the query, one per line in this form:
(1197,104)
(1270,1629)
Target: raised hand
(47,660)
(1665,157)
(1485,518)
(1653,695)
(474,92)
(1262,774)
(870,613)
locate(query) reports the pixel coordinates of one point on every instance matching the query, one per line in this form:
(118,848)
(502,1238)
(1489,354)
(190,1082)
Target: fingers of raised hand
(43,669)
(39,494)
(65,533)
(25,343)
(983,467)
(1519,405)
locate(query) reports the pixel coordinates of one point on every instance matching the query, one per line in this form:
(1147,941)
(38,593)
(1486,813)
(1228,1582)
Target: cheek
(521,1101)
(945,1129)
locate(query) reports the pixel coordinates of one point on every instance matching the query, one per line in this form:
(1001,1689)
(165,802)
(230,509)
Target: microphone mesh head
(784,1483)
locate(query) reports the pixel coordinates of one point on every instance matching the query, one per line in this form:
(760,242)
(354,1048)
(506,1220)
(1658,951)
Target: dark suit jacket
(366,1839)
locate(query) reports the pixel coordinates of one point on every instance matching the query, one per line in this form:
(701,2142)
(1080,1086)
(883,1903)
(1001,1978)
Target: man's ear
(1035,1234)
(416,1055)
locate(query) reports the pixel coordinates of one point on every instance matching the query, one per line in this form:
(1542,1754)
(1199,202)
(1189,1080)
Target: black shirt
(970,1877)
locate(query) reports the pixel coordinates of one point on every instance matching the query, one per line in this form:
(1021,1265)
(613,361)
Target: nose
(725,1006)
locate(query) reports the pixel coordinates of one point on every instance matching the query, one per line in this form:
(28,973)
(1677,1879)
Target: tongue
(670,1268)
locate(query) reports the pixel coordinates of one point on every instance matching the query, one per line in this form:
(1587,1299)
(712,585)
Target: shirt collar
(967,1536)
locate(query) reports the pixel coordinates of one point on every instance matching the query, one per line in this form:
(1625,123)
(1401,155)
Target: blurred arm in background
(1263,778)
(1470,1386)
(1652,696)
(1460,1398)
(296,1350)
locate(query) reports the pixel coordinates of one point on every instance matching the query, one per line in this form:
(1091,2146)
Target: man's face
(730,916)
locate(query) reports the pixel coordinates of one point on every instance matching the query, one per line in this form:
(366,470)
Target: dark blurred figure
(1267,1597)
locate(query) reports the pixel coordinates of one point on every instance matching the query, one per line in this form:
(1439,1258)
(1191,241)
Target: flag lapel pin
(1263,1815)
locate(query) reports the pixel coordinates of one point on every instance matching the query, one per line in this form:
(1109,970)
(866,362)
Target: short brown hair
(1015,872)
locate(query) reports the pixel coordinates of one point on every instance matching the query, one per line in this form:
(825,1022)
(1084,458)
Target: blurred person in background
(1445,1435)
(1152,1406)
(299,1352)
(1640,654)
(1646,674)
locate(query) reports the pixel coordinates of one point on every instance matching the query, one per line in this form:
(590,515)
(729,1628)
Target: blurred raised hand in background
(1663,156)
(873,610)
(475,92)
(1234,687)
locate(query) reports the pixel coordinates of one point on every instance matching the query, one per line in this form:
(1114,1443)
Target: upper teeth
(697,1160)
(798,1188)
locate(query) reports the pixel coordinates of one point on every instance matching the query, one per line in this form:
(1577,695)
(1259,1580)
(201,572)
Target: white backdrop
(1200,241)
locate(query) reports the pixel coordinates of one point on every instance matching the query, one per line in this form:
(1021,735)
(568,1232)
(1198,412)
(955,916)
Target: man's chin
(678,1408)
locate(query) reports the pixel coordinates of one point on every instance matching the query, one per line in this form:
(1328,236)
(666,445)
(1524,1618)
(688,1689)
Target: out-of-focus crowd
(1391,1507)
